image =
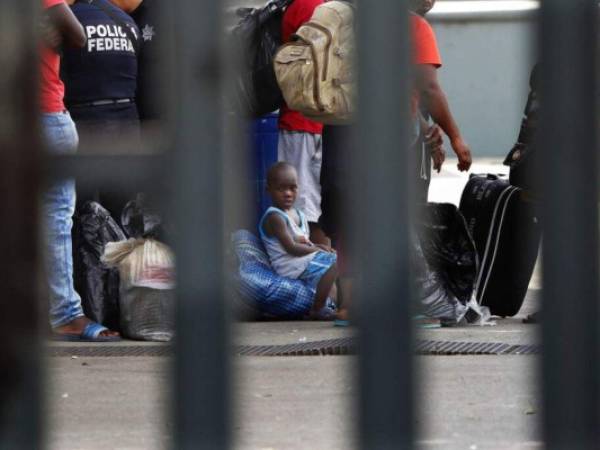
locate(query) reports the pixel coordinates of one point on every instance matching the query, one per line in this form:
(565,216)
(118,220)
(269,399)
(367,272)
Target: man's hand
(438,157)
(434,144)
(463,153)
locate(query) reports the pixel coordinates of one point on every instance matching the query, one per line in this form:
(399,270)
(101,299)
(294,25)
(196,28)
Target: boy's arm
(436,104)
(64,21)
(277,227)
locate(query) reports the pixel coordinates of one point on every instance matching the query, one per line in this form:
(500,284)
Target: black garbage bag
(140,220)
(98,286)
(444,262)
(253,42)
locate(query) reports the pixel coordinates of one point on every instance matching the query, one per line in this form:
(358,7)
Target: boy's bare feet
(324,314)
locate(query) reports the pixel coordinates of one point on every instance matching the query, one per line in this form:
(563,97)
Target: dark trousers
(101,129)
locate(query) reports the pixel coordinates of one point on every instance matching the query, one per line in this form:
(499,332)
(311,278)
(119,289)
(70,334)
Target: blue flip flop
(425,322)
(91,333)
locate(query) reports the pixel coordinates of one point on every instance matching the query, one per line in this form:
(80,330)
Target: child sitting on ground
(284,232)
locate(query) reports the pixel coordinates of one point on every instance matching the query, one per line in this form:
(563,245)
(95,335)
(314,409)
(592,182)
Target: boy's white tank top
(285,264)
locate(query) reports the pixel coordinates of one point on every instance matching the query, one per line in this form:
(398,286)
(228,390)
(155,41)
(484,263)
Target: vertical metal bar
(383,203)
(568,150)
(201,368)
(20,393)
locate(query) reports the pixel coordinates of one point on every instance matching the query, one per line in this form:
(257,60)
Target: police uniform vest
(106,68)
(150,96)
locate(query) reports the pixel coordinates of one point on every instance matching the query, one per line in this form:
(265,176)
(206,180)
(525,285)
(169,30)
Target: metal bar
(20,367)
(137,172)
(568,154)
(202,362)
(381,236)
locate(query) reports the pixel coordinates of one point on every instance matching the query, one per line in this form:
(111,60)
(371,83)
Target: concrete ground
(289,403)
(464,402)
(296,403)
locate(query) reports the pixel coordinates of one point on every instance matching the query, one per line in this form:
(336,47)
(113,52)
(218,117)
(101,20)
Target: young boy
(285,233)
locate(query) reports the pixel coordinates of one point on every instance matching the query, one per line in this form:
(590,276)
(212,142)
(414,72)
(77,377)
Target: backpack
(315,71)
(254,41)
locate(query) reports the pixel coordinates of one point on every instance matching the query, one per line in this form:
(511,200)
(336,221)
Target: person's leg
(335,179)
(305,152)
(317,235)
(422,161)
(344,297)
(324,287)
(58,204)
(98,127)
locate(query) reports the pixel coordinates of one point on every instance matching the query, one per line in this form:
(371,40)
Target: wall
(485,75)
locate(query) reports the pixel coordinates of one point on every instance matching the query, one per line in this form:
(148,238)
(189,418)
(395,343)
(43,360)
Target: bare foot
(321,314)
(342,314)
(77,326)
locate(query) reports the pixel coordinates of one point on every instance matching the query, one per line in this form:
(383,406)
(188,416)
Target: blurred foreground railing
(202,402)
(568,173)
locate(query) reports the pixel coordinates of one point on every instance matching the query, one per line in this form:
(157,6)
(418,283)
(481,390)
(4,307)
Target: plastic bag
(254,41)
(147,303)
(98,285)
(449,248)
(140,220)
(445,265)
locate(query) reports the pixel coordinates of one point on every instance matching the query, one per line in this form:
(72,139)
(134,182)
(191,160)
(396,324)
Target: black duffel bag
(254,41)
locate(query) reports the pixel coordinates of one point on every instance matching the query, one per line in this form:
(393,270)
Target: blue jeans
(58,206)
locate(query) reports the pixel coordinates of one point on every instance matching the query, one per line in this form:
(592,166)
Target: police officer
(151,93)
(101,78)
(100,86)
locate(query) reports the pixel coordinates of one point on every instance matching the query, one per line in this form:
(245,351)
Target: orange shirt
(52,89)
(425,50)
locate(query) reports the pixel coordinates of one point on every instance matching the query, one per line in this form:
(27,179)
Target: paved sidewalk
(294,403)
(297,403)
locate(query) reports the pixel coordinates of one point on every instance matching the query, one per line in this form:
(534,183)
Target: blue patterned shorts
(318,266)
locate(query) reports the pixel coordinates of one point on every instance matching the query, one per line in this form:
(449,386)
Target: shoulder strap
(271,210)
(280,4)
(303,221)
(120,22)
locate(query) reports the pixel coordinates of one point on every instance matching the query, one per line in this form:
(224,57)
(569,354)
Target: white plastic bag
(142,263)
(147,271)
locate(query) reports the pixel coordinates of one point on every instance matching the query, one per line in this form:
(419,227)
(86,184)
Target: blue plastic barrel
(265,139)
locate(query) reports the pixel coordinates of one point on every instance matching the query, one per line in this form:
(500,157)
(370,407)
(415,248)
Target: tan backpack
(315,71)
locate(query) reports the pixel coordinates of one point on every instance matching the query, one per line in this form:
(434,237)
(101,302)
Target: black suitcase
(506,231)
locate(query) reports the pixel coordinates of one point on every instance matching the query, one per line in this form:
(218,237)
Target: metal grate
(330,347)
(92,351)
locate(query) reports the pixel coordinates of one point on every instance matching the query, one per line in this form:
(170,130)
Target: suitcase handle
(489,176)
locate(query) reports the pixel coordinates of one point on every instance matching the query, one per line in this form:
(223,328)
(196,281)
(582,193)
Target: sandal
(426,323)
(91,333)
